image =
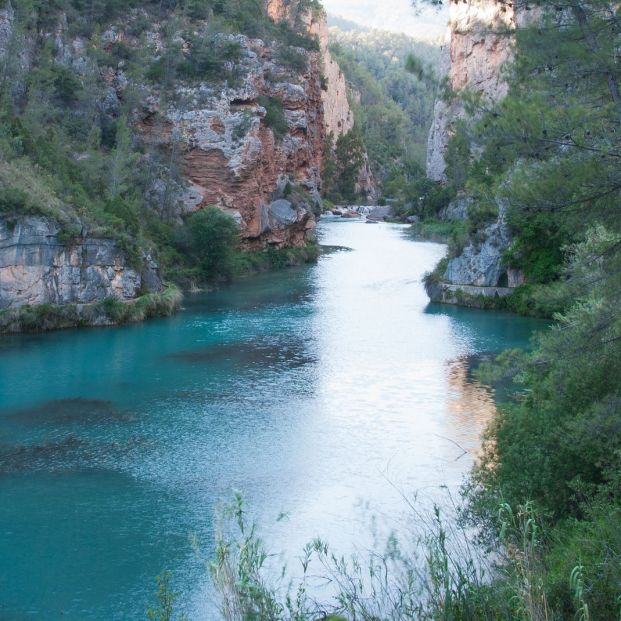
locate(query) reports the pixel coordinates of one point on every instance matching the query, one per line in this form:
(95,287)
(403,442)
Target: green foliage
(396,102)
(14,201)
(345,160)
(444,231)
(441,576)
(293,58)
(274,259)
(166,598)
(211,237)
(207,58)
(457,157)
(549,148)
(275,117)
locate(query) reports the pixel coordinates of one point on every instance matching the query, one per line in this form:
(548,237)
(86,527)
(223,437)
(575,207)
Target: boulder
(281,214)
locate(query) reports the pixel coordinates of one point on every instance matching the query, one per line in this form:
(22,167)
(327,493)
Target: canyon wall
(38,266)
(476,49)
(249,138)
(338,117)
(232,158)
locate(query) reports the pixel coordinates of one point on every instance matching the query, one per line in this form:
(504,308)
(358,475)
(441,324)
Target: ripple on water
(310,390)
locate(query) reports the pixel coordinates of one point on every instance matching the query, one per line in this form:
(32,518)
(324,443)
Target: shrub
(66,84)
(293,58)
(275,117)
(211,237)
(123,211)
(14,201)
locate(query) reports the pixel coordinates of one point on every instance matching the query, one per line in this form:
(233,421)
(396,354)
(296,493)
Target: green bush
(211,238)
(66,84)
(275,117)
(14,201)
(125,213)
(481,213)
(293,59)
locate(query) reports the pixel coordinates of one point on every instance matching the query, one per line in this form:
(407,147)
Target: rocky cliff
(476,49)
(338,116)
(38,266)
(242,125)
(233,159)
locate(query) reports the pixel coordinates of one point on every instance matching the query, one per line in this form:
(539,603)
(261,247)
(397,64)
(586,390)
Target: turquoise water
(313,391)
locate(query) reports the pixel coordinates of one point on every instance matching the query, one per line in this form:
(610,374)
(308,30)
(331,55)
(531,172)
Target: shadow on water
(287,288)
(69,454)
(499,327)
(263,354)
(69,412)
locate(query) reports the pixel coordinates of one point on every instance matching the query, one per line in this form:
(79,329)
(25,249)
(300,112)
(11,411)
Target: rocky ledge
(38,265)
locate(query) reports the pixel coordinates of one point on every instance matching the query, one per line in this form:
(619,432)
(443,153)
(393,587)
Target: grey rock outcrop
(477,47)
(457,209)
(38,267)
(482,264)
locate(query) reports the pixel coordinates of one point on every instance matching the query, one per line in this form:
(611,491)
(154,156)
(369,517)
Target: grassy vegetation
(248,263)
(46,317)
(275,117)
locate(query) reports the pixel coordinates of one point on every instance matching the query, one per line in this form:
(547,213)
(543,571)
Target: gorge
(108,471)
(419,419)
(247,131)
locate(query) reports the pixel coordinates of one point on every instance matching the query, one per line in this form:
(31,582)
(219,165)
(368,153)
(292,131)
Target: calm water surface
(313,391)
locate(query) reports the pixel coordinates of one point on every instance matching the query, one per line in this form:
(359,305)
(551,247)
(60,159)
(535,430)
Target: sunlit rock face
(338,117)
(231,157)
(38,267)
(478,46)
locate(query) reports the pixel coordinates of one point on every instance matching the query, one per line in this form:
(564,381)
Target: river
(322,391)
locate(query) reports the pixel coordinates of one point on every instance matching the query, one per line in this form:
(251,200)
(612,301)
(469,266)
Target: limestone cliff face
(37,266)
(232,158)
(338,117)
(249,140)
(476,49)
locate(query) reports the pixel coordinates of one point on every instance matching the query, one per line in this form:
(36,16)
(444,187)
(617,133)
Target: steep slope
(151,115)
(478,51)
(475,50)
(339,118)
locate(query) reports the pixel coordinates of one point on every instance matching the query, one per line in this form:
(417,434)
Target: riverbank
(107,313)
(112,312)
(528,300)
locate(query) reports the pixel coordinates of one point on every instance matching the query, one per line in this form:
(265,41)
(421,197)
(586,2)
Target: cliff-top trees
(551,151)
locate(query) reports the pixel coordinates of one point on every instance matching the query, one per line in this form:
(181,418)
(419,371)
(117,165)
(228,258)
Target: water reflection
(318,391)
(470,404)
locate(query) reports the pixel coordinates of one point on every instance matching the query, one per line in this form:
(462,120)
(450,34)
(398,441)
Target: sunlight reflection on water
(324,392)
